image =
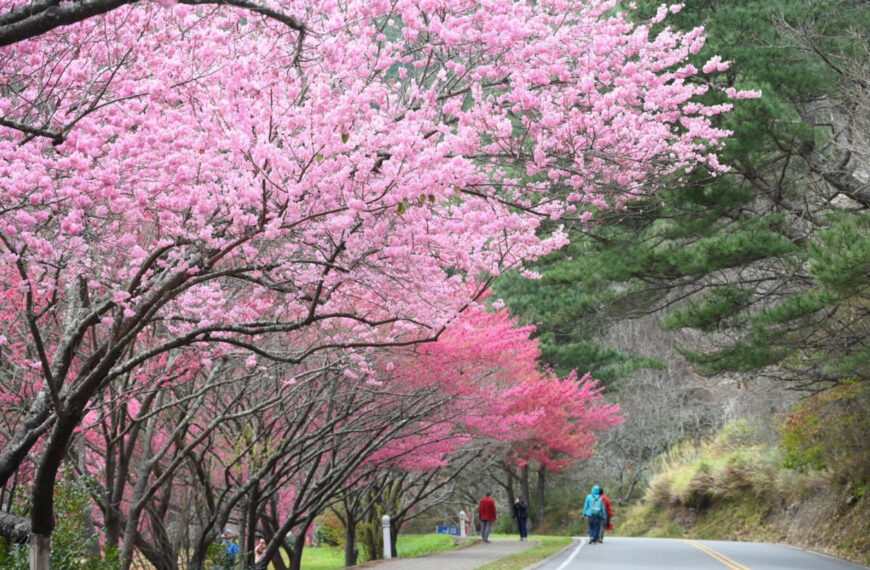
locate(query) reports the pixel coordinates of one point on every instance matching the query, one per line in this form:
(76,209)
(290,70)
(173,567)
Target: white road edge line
(823,555)
(573,556)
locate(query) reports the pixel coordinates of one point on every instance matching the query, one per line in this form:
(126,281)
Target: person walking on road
(521,514)
(594,510)
(486,514)
(608,510)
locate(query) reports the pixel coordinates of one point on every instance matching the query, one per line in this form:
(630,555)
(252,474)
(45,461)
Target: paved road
(619,553)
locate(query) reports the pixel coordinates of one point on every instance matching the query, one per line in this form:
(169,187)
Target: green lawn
(414,545)
(409,546)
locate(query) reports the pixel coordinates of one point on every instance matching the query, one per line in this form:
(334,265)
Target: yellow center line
(717,555)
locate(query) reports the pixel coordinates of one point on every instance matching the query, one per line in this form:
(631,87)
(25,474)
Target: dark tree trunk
(42,494)
(540,495)
(299,544)
(524,482)
(371,528)
(278,560)
(160,558)
(394,538)
(251,524)
(509,488)
(351,553)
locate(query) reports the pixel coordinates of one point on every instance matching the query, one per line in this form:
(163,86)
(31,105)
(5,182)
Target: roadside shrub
(669,530)
(697,474)
(329,530)
(504,524)
(701,489)
(803,436)
(564,511)
(735,435)
(795,486)
(734,480)
(831,430)
(659,492)
(75,544)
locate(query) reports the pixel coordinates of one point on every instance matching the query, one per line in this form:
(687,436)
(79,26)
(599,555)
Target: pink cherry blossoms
(287,181)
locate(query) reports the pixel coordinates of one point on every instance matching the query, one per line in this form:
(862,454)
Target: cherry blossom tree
(271,453)
(252,450)
(495,398)
(286,179)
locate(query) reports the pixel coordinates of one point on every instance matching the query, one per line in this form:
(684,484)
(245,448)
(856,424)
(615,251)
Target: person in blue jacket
(231,548)
(595,511)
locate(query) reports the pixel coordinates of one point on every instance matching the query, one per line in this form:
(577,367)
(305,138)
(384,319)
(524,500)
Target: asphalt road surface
(617,553)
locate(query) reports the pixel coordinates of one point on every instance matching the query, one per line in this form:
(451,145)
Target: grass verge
(548,545)
(414,545)
(409,546)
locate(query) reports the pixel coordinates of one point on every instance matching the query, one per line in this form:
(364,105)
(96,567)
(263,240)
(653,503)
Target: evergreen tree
(773,257)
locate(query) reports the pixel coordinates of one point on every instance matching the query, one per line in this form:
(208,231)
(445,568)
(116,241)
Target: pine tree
(773,256)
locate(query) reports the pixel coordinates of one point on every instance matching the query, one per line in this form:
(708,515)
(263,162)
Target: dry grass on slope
(735,488)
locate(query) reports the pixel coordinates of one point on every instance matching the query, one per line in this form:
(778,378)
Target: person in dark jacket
(486,514)
(521,515)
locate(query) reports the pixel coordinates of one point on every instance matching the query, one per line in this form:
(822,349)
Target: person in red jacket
(608,508)
(486,514)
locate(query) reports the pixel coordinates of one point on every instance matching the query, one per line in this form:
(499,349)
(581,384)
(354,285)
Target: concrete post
(388,545)
(40,551)
(462,533)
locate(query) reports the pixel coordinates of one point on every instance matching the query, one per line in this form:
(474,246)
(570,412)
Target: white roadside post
(462,533)
(388,546)
(40,551)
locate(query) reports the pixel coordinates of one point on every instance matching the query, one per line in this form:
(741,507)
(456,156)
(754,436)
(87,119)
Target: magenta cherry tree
(495,400)
(291,178)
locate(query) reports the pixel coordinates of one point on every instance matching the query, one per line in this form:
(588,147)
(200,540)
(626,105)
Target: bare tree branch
(34,19)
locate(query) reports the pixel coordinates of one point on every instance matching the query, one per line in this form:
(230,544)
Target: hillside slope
(737,488)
